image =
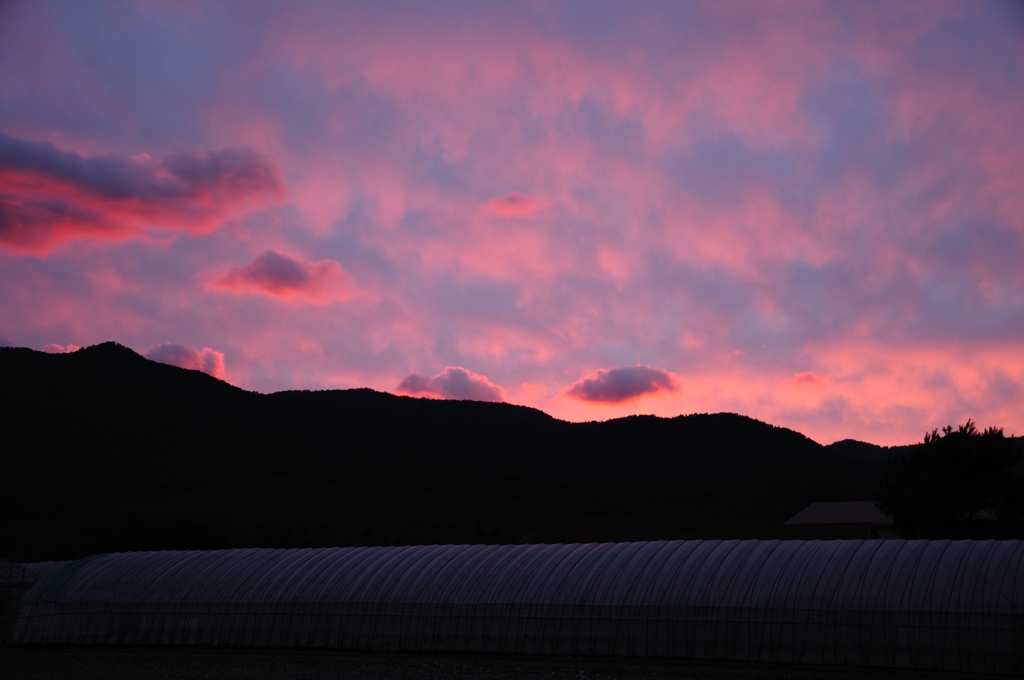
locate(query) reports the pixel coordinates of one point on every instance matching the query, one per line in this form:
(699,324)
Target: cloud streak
(49,196)
(454,382)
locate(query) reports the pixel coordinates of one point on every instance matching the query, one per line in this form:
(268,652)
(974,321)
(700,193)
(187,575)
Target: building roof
(16,575)
(842,512)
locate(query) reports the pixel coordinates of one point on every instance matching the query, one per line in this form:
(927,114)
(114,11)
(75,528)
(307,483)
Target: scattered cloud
(514,204)
(186,356)
(49,196)
(809,378)
(454,382)
(616,385)
(54,348)
(285,277)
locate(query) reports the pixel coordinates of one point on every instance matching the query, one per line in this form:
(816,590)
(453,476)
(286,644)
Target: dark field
(89,664)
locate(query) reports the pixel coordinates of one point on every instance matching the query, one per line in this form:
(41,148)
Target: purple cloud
(282,276)
(50,196)
(186,356)
(616,385)
(454,382)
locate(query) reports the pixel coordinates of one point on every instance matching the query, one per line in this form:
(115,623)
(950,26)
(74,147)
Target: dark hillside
(105,450)
(862,451)
(874,454)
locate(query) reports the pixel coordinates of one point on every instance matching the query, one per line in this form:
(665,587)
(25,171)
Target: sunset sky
(808,213)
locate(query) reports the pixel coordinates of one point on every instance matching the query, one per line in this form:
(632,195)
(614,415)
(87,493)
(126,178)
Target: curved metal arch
(954,605)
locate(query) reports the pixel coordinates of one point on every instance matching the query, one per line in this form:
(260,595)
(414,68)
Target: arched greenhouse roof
(955,605)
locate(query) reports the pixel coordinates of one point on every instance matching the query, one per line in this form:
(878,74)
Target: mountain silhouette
(106,450)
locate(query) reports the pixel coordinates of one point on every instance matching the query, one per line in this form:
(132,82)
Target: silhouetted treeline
(961,483)
(105,450)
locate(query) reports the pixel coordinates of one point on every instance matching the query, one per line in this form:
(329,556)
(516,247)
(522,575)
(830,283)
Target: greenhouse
(953,605)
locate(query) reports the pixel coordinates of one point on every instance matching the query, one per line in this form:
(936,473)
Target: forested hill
(105,450)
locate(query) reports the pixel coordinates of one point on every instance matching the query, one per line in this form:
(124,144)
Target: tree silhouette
(957,484)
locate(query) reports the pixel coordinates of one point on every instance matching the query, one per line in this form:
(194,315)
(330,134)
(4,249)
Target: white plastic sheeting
(954,605)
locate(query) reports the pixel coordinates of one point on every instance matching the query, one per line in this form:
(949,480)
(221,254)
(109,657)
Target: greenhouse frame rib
(950,605)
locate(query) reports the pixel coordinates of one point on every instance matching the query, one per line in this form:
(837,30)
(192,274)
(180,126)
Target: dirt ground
(227,664)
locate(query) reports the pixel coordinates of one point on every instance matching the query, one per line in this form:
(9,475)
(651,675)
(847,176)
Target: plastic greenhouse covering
(954,605)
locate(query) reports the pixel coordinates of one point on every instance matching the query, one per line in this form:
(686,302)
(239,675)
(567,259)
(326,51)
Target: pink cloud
(186,356)
(49,197)
(809,378)
(514,204)
(54,348)
(616,385)
(454,382)
(285,277)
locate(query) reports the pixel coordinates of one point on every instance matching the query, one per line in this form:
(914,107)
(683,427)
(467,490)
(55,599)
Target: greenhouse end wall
(951,605)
